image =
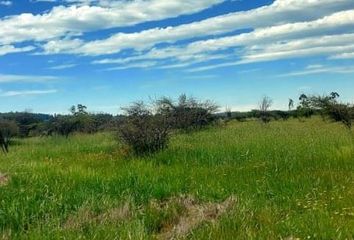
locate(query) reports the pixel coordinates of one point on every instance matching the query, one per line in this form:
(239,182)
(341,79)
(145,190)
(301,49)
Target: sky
(106,54)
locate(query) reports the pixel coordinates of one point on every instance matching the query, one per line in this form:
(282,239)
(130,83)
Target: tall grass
(291,179)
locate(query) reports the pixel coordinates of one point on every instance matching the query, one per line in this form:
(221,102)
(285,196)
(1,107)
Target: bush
(187,113)
(341,113)
(143,131)
(8,130)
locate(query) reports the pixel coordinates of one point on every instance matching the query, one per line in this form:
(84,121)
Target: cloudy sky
(106,54)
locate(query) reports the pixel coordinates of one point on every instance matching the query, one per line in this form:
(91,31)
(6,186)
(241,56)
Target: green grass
(291,179)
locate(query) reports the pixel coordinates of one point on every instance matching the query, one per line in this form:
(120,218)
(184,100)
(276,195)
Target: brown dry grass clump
(85,216)
(195,214)
(4,179)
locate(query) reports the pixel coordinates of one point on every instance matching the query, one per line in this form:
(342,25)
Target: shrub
(188,113)
(341,113)
(143,131)
(8,129)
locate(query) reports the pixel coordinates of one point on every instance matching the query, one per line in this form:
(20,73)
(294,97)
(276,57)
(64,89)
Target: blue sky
(106,54)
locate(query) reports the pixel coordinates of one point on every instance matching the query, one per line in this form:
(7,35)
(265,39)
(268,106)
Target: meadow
(242,180)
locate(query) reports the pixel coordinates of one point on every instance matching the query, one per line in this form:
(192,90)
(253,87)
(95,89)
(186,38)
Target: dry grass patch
(85,216)
(194,214)
(4,179)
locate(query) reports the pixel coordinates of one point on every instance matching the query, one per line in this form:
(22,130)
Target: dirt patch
(194,215)
(85,216)
(4,179)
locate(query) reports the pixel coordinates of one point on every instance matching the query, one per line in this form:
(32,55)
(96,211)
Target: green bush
(143,131)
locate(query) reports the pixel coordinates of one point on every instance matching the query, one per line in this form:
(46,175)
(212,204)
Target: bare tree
(264,107)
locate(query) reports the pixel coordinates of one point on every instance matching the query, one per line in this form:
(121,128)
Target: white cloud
(319,70)
(280,11)
(23,93)
(63,21)
(6,3)
(264,44)
(348,55)
(7,49)
(63,66)
(8,78)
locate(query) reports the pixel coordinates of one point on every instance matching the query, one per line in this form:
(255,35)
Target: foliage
(329,107)
(64,125)
(143,131)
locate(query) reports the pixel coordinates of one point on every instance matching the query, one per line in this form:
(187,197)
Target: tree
(8,130)
(334,95)
(264,107)
(64,125)
(291,104)
(329,107)
(81,110)
(304,108)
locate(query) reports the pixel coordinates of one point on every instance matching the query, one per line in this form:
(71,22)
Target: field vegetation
(146,175)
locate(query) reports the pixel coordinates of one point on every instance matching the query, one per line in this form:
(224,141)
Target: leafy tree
(304,108)
(64,125)
(334,95)
(329,107)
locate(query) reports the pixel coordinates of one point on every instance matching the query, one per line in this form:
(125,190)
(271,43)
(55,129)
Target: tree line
(146,127)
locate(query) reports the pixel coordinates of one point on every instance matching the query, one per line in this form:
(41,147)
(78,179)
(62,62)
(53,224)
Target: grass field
(286,180)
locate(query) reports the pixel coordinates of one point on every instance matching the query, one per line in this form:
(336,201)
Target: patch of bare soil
(194,215)
(4,179)
(85,216)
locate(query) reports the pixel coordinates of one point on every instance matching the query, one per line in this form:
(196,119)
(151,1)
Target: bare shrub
(187,113)
(264,107)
